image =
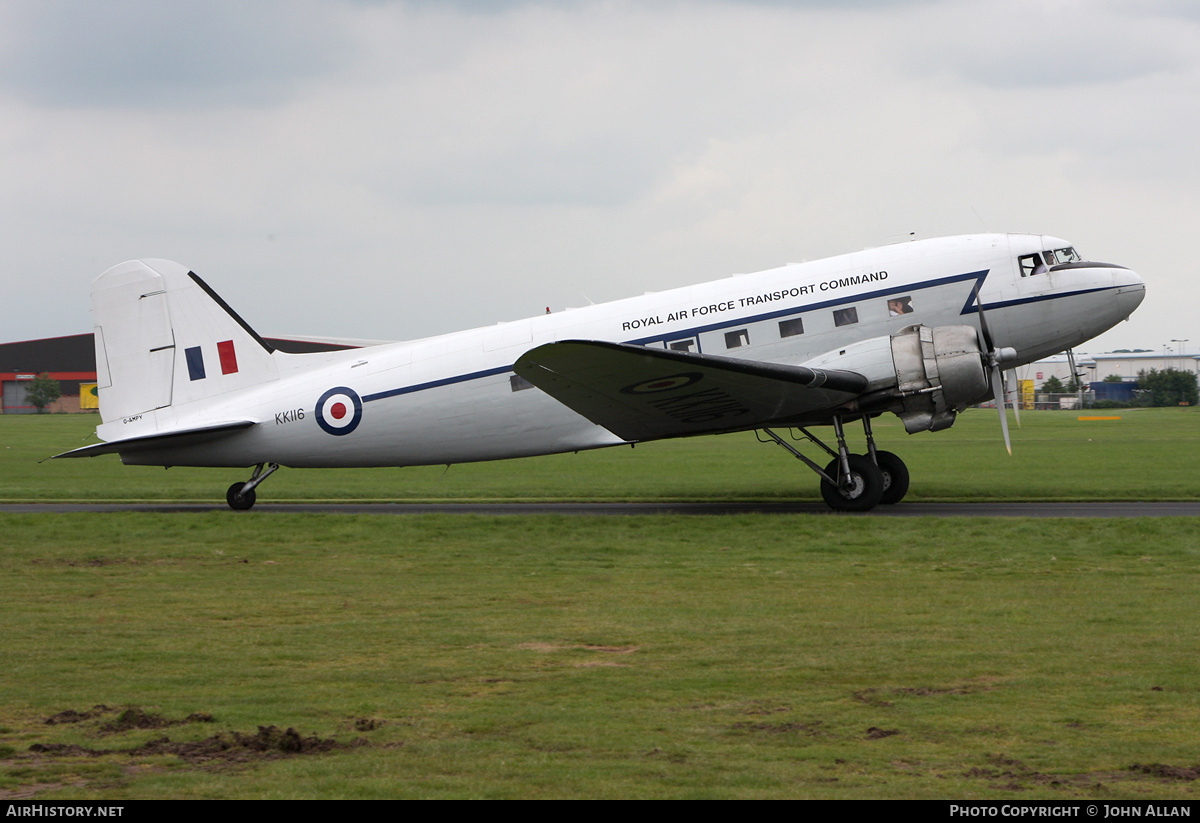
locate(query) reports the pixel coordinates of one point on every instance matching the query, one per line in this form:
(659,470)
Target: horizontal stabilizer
(163,439)
(642,393)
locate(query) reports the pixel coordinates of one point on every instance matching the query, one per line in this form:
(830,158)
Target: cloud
(387,169)
(1031,44)
(149,54)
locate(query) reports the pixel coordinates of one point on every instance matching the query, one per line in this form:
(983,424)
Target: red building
(71,361)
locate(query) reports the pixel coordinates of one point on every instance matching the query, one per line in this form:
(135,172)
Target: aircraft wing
(158,440)
(640,393)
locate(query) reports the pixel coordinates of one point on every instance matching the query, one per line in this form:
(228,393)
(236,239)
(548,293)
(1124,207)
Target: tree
(1113,378)
(1053,386)
(1169,387)
(42,391)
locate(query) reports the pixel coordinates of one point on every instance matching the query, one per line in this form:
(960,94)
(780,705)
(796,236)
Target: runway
(1090,509)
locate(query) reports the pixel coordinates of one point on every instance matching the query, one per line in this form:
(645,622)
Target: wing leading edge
(639,393)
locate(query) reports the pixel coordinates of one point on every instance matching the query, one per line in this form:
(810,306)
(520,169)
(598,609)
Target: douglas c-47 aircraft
(920,329)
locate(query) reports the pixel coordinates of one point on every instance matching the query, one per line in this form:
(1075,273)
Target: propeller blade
(1015,399)
(994,358)
(983,326)
(998,388)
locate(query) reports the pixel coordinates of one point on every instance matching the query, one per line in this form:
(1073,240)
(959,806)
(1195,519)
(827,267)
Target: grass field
(1146,455)
(542,656)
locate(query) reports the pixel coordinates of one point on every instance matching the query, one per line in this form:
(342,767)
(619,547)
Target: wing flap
(639,393)
(163,439)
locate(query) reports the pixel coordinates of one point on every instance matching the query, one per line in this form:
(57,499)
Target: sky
(394,170)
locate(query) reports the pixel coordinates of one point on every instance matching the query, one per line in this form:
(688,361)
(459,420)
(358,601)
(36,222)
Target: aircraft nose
(1131,289)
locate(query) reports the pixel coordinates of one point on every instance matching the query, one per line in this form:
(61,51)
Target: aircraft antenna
(982,225)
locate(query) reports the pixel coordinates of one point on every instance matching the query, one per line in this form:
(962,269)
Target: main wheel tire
(238,501)
(895,477)
(863,491)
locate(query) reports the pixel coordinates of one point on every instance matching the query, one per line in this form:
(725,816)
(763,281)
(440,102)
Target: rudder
(164,339)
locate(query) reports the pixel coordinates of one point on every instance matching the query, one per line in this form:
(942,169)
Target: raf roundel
(339,411)
(658,384)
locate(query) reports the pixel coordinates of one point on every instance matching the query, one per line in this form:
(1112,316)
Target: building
(71,361)
(1096,367)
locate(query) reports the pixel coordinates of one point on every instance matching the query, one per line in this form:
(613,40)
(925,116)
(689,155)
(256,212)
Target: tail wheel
(237,500)
(862,491)
(895,477)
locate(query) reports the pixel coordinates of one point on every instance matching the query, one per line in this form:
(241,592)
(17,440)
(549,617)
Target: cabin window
(900,305)
(791,328)
(519,383)
(682,345)
(1031,264)
(735,339)
(845,317)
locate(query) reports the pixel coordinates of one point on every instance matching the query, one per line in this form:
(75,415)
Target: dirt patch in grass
(1013,775)
(138,719)
(872,698)
(229,749)
(65,750)
(760,707)
(126,719)
(1162,770)
(1010,774)
(875,697)
(810,729)
(553,647)
(72,716)
(33,789)
(269,742)
(932,692)
(88,562)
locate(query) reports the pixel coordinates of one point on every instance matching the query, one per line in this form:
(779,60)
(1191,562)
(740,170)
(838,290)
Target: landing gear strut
(854,482)
(241,496)
(895,473)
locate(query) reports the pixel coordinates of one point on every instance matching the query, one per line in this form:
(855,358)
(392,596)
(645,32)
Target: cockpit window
(1040,263)
(1031,264)
(1060,256)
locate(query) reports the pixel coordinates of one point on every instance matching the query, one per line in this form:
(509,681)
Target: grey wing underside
(162,440)
(640,393)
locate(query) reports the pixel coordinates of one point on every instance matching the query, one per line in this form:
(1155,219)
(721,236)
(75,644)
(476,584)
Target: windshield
(1040,263)
(1065,255)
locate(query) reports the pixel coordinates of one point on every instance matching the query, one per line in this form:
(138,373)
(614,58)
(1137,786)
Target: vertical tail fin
(164,338)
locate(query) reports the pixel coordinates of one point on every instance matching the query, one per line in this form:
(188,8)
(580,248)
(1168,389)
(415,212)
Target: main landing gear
(854,482)
(241,496)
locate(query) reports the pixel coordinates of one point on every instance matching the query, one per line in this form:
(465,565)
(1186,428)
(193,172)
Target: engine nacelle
(925,375)
(939,371)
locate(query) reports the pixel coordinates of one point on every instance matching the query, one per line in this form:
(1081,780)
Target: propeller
(995,358)
(1013,389)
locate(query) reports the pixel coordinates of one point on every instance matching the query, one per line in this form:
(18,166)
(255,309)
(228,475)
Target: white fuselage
(454,398)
